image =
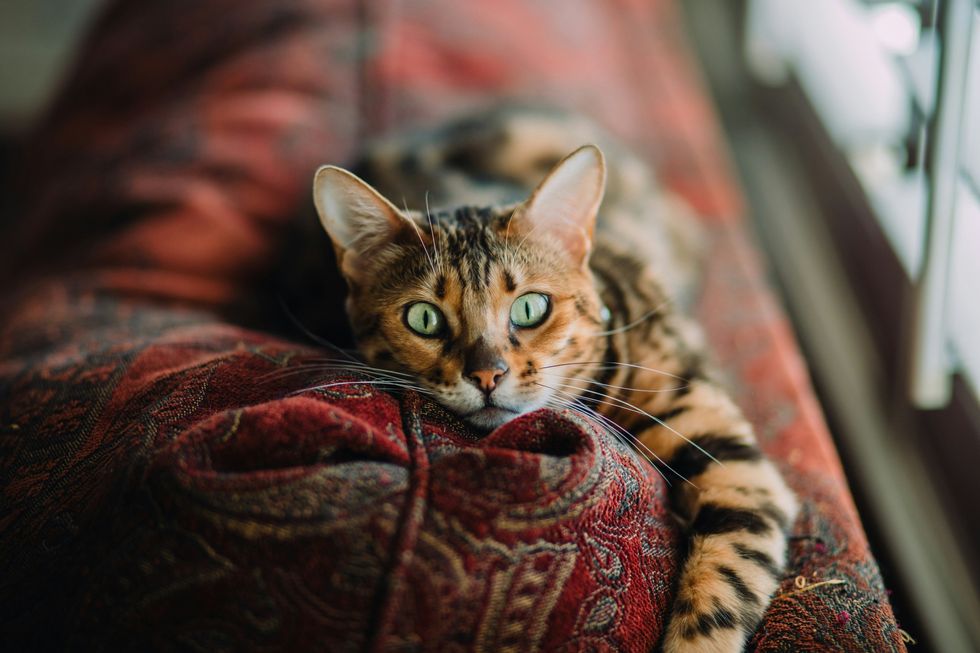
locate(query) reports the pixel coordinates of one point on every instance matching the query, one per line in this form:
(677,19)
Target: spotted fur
(613,340)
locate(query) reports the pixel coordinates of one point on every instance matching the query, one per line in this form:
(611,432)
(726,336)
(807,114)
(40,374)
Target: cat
(555,281)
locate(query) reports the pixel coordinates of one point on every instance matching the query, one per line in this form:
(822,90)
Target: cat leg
(738,510)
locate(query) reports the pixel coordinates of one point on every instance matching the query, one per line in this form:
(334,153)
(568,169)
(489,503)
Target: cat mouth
(490,417)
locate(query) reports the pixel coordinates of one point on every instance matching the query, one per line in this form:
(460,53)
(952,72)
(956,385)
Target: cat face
(489,309)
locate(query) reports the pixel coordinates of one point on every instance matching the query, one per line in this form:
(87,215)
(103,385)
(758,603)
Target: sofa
(168,478)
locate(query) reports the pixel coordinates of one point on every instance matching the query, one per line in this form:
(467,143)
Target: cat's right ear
(358,219)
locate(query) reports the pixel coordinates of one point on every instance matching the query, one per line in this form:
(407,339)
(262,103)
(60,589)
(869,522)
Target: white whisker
(612,365)
(631,439)
(324,386)
(527,235)
(605,425)
(588,382)
(418,232)
(621,403)
(323,369)
(432,231)
(359,365)
(635,322)
(309,334)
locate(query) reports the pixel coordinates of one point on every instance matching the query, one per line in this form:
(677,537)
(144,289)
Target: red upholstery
(161,483)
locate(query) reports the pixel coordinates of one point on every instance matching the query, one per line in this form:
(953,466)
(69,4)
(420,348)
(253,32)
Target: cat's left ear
(563,208)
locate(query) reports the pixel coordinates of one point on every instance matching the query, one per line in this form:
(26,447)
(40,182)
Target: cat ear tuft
(564,206)
(358,219)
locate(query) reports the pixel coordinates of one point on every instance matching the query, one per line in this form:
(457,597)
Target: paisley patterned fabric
(168,478)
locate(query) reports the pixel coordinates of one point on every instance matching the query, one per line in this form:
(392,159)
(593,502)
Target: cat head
(488,308)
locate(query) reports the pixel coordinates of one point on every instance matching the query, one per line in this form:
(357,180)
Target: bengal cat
(508,290)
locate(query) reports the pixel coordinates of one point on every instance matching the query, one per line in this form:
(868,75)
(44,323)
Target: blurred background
(37,40)
(854,126)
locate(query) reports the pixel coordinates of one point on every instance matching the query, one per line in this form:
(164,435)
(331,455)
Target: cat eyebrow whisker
(510,219)
(527,235)
(589,382)
(418,232)
(432,231)
(646,316)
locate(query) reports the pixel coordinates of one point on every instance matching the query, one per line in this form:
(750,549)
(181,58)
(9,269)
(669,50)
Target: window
(899,93)
(860,140)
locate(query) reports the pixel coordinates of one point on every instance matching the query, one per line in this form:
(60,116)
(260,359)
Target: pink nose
(487,380)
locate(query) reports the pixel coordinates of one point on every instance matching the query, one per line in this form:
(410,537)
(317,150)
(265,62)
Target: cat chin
(487,419)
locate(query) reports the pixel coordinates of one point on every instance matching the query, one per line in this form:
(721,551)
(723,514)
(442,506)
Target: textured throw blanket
(166,483)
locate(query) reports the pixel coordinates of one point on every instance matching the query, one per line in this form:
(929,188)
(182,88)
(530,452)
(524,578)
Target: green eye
(529,310)
(424,319)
